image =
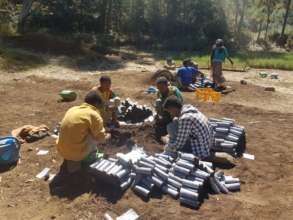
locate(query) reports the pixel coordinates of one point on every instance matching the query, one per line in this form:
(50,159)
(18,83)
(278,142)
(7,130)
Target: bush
(280,41)
(264,44)
(103,42)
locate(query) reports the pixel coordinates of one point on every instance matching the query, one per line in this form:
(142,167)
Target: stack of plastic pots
(229,137)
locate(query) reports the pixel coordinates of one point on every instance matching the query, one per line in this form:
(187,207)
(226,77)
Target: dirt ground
(31,97)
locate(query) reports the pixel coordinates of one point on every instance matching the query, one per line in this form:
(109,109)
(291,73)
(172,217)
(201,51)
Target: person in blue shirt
(218,56)
(187,76)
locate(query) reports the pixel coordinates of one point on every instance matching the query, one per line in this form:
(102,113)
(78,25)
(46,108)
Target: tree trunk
(236,14)
(259,31)
(25,10)
(268,21)
(242,13)
(285,19)
(103,16)
(109,16)
(116,13)
(184,17)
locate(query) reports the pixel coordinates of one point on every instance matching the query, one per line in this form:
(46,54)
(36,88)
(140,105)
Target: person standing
(218,56)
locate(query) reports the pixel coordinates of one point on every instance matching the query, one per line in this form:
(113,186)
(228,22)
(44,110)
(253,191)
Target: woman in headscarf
(218,56)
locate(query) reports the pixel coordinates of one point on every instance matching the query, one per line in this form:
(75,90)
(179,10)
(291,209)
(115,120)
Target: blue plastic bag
(9,150)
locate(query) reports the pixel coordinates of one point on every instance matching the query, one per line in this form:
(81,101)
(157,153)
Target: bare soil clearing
(267,189)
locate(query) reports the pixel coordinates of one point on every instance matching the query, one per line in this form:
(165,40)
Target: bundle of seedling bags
(114,171)
(203,83)
(184,177)
(181,176)
(229,137)
(131,113)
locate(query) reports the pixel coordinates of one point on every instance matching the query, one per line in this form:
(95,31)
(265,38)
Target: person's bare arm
(228,56)
(94,88)
(115,119)
(231,61)
(201,73)
(212,56)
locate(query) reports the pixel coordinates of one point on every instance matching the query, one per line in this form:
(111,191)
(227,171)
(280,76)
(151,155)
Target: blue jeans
(172,129)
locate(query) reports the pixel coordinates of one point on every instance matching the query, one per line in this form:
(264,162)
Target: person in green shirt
(218,56)
(163,118)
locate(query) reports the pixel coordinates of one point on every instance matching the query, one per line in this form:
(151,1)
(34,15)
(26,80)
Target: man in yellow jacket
(81,130)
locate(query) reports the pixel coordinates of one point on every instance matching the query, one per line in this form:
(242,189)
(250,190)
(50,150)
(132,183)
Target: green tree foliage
(7,17)
(171,24)
(167,24)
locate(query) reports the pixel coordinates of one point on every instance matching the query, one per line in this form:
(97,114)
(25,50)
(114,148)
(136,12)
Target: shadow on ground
(20,53)
(14,59)
(225,166)
(95,63)
(5,168)
(71,187)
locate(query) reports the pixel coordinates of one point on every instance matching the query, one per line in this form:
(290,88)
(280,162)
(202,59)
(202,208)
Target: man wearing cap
(165,90)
